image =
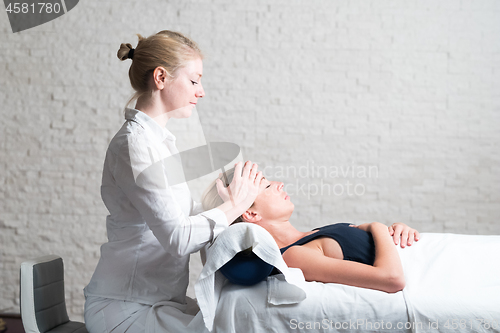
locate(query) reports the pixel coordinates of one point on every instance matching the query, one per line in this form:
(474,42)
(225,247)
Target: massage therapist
(152,228)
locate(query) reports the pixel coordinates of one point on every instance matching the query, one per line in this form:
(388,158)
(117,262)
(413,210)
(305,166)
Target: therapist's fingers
(253,185)
(246,170)
(223,191)
(258,178)
(243,188)
(253,172)
(237,170)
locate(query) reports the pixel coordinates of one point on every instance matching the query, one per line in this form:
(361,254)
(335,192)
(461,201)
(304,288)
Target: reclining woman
(362,256)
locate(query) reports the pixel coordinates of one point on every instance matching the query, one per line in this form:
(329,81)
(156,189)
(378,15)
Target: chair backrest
(43,305)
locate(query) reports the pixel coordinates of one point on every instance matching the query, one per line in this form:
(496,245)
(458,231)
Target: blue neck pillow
(246,269)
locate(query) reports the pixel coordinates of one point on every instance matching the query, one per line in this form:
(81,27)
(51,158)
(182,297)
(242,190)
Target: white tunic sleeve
(144,182)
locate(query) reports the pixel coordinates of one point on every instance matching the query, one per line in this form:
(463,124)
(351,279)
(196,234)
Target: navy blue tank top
(357,245)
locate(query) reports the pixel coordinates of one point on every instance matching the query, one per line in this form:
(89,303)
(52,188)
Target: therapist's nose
(200,92)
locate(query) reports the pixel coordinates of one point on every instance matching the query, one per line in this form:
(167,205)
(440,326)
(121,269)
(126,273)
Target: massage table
(452,285)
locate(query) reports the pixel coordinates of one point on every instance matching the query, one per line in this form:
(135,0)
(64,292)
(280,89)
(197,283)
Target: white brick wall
(407,87)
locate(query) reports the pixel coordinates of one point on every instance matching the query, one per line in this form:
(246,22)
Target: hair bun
(125,52)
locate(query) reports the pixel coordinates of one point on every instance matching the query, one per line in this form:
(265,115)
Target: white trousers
(105,315)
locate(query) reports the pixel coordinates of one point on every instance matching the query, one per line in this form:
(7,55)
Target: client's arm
(386,274)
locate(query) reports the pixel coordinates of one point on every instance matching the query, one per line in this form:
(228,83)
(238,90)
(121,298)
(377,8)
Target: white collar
(147,122)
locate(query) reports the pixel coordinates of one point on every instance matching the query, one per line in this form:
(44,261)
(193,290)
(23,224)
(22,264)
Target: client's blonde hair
(168,49)
(210,197)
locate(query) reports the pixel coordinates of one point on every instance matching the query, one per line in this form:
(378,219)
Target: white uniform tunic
(151,227)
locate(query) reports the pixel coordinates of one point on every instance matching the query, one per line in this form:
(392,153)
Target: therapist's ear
(251,216)
(160,77)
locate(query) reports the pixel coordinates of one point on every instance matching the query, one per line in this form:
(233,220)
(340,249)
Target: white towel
(279,292)
(237,238)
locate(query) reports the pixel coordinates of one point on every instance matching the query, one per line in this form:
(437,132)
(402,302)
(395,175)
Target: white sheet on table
(453,282)
(448,277)
(331,307)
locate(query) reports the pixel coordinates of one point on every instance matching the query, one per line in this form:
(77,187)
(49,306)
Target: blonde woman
(152,227)
(362,256)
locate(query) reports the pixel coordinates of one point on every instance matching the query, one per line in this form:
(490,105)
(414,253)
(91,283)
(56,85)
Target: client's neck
(284,233)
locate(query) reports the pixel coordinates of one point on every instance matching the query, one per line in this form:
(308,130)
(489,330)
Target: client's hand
(405,233)
(244,187)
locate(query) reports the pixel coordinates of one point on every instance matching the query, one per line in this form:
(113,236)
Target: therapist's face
(182,93)
(273,203)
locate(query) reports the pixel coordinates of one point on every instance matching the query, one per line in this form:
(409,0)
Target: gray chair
(43,306)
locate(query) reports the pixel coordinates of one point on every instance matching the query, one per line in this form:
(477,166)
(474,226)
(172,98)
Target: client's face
(273,203)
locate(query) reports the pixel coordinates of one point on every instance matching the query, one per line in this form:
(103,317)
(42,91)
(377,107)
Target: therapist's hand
(400,231)
(244,187)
